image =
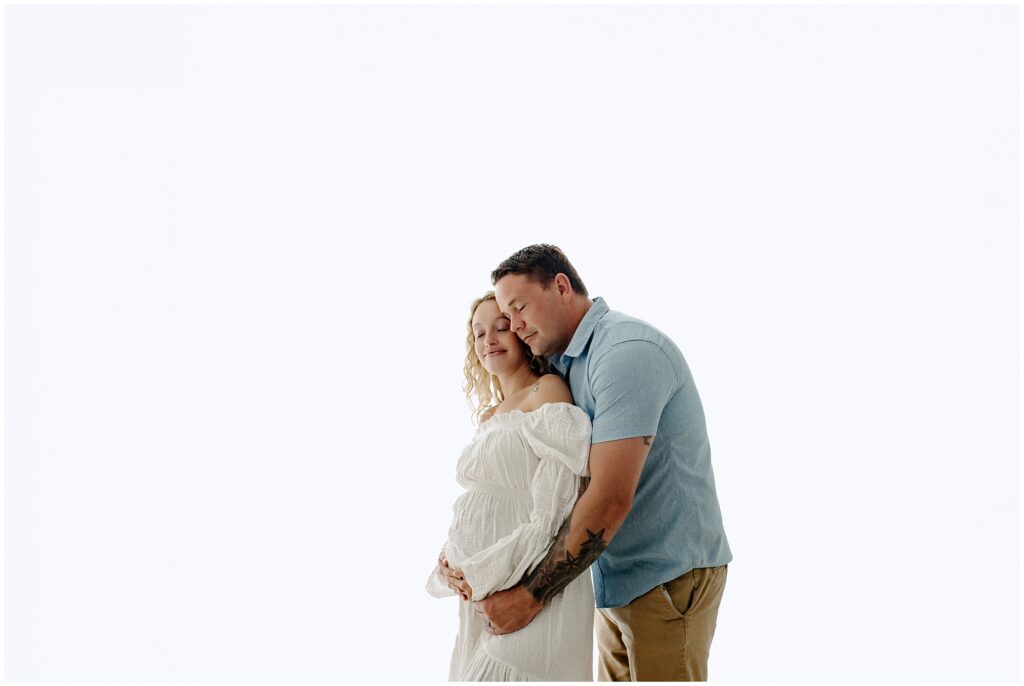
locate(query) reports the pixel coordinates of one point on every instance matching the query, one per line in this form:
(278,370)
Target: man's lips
(530,336)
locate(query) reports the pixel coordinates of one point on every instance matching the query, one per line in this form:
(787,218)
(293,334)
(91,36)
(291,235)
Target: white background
(240,245)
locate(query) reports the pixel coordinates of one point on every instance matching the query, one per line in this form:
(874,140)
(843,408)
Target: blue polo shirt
(633,381)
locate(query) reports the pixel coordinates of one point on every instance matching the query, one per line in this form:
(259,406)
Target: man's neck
(578,313)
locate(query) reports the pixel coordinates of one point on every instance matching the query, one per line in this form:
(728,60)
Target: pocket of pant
(679,593)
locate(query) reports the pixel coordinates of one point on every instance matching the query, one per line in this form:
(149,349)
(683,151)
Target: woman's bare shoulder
(551,388)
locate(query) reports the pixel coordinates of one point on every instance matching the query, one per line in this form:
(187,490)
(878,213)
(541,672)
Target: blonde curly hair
(480,382)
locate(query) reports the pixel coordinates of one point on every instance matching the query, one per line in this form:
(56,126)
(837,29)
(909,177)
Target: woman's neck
(523,377)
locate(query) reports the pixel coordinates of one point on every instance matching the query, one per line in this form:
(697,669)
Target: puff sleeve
(559,435)
(436,585)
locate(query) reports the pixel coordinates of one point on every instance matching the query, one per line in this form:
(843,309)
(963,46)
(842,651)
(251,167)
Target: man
(650,516)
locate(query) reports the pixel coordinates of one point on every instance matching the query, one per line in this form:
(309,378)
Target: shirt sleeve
(560,437)
(436,585)
(632,383)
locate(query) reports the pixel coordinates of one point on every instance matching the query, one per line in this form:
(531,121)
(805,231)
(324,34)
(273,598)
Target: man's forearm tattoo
(559,566)
(647,440)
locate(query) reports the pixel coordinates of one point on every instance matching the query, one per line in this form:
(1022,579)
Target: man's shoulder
(624,342)
(615,328)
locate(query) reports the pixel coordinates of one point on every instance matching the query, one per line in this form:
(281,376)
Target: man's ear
(563,286)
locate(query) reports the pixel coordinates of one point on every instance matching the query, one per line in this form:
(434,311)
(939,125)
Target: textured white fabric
(496,537)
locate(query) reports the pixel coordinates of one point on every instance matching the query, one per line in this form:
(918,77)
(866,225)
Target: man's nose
(517,324)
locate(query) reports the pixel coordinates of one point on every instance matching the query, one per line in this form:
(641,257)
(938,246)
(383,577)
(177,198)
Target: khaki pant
(665,634)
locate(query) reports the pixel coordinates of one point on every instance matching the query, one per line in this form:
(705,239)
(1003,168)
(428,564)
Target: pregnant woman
(522,473)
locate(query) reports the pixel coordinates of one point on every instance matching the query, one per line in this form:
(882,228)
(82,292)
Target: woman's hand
(457,582)
(454,577)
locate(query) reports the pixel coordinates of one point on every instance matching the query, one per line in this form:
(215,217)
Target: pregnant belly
(481,520)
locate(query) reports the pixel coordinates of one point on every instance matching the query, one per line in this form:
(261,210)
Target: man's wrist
(528,596)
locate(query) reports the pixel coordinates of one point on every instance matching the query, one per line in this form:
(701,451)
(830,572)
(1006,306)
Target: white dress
(522,474)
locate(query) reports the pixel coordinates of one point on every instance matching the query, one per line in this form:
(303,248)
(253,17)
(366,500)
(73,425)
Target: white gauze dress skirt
(522,476)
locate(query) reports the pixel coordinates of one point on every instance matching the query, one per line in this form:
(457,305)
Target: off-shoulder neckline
(526,413)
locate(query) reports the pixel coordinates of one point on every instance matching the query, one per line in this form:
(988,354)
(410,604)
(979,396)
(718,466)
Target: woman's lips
(495,352)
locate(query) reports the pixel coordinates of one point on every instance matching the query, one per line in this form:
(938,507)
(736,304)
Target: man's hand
(507,611)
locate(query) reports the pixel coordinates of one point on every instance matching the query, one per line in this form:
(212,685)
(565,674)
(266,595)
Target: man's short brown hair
(541,262)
